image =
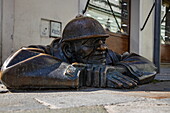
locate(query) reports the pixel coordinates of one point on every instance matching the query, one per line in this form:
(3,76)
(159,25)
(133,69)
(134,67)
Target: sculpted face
(90,51)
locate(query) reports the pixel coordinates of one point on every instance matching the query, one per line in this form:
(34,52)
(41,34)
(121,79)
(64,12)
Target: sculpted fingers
(119,80)
(89,72)
(96,81)
(95,76)
(113,83)
(127,80)
(105,76)
(131,80)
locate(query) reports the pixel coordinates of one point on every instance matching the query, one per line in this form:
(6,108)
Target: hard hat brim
(87,37)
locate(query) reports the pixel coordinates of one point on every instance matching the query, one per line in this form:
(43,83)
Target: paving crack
(48,105)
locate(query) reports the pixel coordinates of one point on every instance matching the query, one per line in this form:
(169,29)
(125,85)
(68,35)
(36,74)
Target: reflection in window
(100,10)
(165,24)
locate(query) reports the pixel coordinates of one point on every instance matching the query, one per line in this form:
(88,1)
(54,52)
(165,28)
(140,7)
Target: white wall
(135,26)
(22,20)
(141,42)
(0,32)
(147,35)
(82,5)
(28,14)
(7,28)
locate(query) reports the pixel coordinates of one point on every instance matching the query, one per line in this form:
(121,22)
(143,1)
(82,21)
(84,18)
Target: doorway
(165,32)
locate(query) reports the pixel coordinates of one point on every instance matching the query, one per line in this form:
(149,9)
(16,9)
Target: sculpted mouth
(97,58)
(101,61)
(99,53)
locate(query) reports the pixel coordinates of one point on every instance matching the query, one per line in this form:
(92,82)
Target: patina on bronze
(83,28)
(79,58)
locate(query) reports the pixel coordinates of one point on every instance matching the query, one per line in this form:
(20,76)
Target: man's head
(84,41)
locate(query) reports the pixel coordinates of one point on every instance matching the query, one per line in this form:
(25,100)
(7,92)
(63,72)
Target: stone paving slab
(162,77)
(59,100)
(164,74)
(154,86)
(85,109)
(151,94)
(84,101)
(148,106)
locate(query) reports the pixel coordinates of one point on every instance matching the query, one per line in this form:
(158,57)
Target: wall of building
(7,28)
(141,42)
(28,14)
(147,35)
(82,5)
(135,26)
(22,19)
(0,32)
(22,22)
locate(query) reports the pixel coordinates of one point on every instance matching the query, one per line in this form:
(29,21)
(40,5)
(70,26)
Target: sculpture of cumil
(79,59)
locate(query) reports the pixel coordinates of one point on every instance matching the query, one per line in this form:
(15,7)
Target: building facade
(38,22)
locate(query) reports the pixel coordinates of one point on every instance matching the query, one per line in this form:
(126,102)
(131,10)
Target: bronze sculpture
(79,58)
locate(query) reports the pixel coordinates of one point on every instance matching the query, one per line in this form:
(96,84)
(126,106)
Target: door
(165,32)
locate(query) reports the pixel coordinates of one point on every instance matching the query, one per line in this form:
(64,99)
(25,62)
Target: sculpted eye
(89,43)
(104,41)
(100,41)
(85,41)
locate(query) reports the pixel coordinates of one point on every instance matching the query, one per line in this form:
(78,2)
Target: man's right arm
(32,68)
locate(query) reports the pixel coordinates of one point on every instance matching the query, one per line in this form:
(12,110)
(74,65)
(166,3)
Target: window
(100,10)
(165,24)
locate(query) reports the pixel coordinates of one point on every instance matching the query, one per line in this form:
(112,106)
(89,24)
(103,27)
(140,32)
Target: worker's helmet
(83,28)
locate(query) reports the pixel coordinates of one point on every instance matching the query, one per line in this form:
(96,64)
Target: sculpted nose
(102,46)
